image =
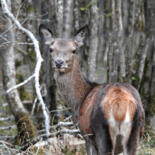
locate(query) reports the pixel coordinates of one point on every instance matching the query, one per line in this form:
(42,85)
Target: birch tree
(93,49)
(26,129)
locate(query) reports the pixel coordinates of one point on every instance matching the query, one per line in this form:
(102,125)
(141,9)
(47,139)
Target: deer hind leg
(124,144)
(133,141)
(102,140)
(125,137)
(135,135)
(90,147)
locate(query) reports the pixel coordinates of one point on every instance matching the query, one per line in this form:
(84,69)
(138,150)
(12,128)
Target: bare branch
(38,64)
(60,124)
(64,131)
(21,84)
(4,142)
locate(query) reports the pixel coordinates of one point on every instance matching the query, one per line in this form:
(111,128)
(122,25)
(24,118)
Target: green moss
(26,129)
(26,95)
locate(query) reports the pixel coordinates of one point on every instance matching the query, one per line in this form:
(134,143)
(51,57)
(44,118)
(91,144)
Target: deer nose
(58,63)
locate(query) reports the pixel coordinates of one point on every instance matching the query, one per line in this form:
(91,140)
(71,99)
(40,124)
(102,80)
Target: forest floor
(59,147)
(65,144)
(62,144)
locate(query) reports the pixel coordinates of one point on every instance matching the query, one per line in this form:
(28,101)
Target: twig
(36,139)
(21,84)
(34,105)
(7,137)
(60,124)
(64,124)
(64,131)
(19,43)
(4,142)
(38,64)
(59,110)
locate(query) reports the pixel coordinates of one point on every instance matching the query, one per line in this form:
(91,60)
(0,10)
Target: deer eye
(51,50)
(74,51)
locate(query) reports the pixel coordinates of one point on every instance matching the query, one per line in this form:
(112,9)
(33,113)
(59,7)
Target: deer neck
(73,88)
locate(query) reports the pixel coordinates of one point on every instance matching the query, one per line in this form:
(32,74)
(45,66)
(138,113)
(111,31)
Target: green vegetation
(87,6)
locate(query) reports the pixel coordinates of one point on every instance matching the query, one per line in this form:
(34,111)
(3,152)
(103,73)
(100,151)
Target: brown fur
(80,85)
(86,110)
(63,45)
(73,88)
(118,99)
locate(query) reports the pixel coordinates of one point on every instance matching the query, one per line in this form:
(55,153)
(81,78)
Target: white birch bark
(121,48)
(93,41)
(60,20)
(142,62)
(68,18)
(9,71)
(38,64)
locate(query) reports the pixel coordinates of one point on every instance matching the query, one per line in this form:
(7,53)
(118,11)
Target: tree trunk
(93,48)
(68,18)
(48,8)
(26,130)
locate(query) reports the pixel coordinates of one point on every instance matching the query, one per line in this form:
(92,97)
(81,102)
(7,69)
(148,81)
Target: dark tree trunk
(47,10)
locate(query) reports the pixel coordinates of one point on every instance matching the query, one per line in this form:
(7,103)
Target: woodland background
(120,46)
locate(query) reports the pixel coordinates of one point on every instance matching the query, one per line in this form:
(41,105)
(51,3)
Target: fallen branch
(60,124)
(38,64)
(4,142)
(7,137)
(36,139)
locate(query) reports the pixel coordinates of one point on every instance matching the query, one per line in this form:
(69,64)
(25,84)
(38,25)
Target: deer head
(63,51)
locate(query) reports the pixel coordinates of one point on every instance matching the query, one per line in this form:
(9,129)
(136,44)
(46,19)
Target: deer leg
(90,147)
(133,141)
(124,148)
(102,141)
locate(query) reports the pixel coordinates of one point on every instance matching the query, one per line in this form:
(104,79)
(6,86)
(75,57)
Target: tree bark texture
(26,130)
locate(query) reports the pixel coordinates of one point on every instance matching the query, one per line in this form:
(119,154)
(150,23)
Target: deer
(110,116)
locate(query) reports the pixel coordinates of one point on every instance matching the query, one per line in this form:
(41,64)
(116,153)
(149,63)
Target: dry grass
(70,145)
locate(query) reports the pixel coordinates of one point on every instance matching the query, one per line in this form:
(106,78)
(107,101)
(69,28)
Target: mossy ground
(26,129)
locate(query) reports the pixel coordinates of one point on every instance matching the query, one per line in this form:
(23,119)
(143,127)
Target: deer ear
(80,35)
(46,34)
